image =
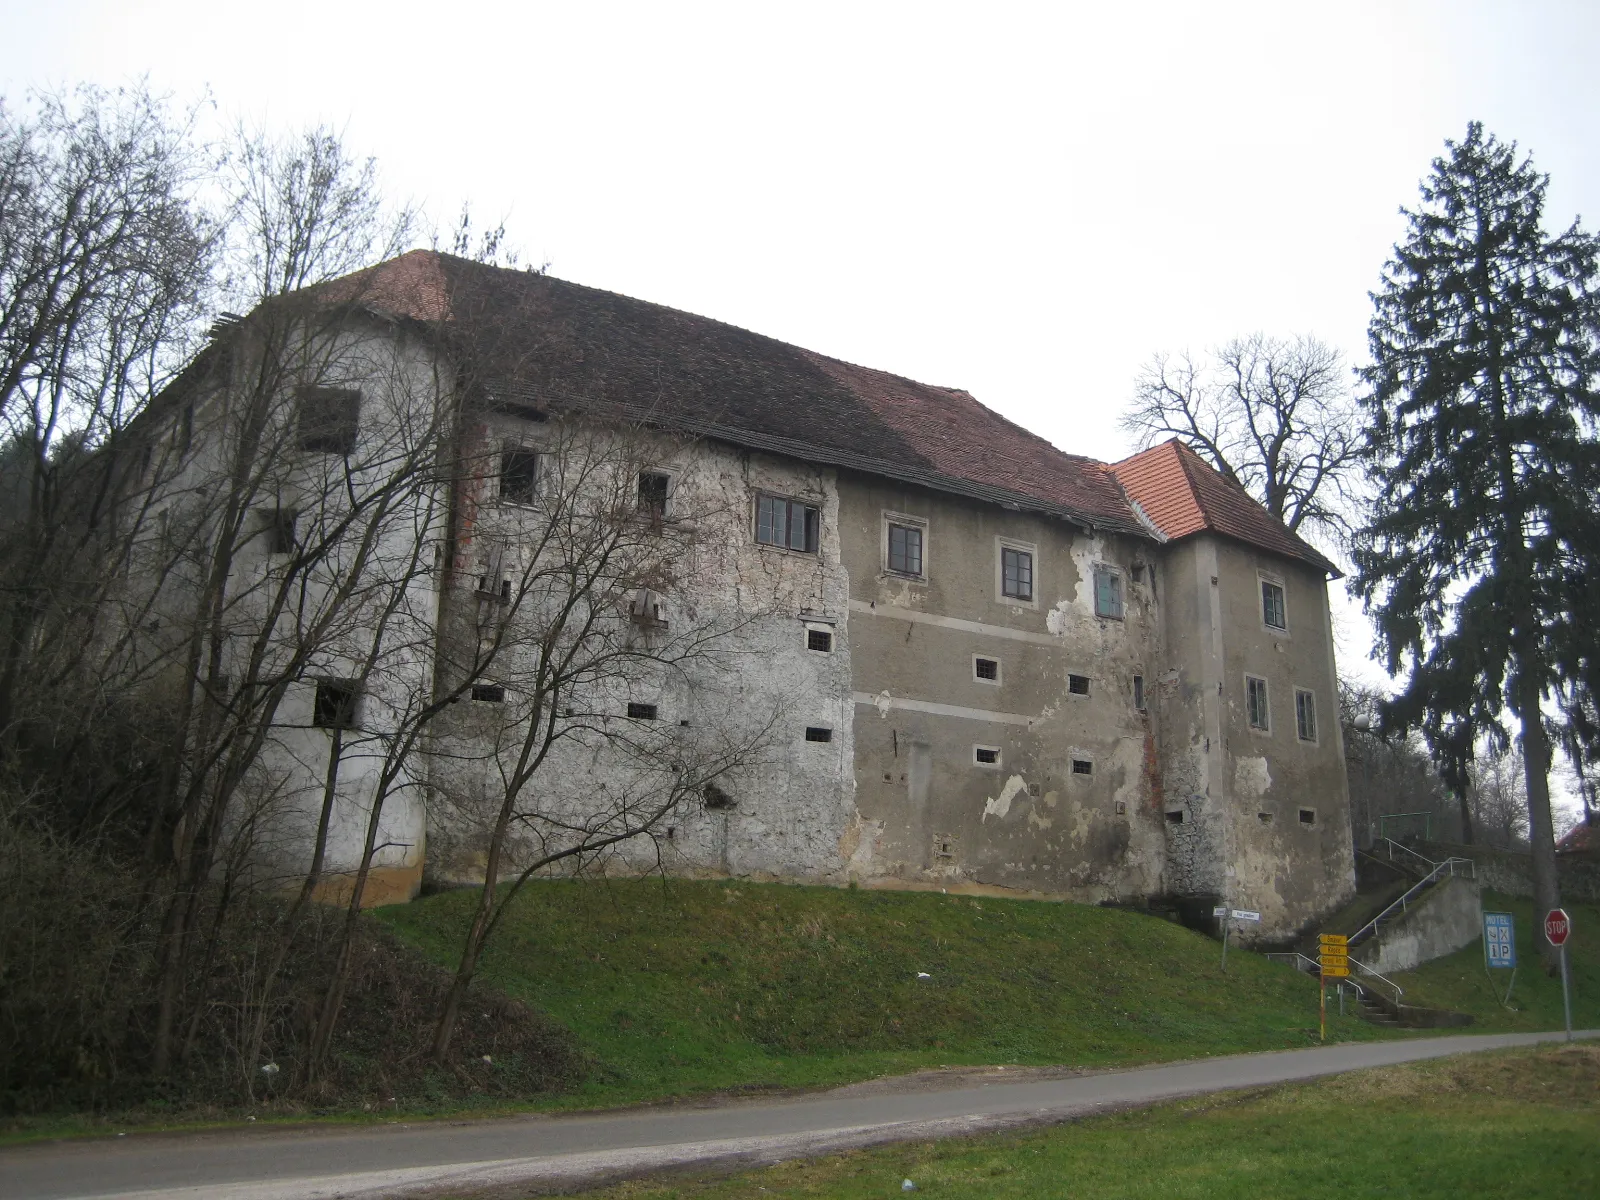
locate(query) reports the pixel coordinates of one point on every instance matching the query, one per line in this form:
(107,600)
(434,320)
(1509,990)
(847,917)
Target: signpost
(1333,957)
(1500,947)
(1238,914)
(1557,928)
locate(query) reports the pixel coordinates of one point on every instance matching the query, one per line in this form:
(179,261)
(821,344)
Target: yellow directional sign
(1336,972)
(1334,960)
(1333,939)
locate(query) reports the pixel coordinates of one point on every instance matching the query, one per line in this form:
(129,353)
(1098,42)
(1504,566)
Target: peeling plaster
(1250,777)
(1001,805)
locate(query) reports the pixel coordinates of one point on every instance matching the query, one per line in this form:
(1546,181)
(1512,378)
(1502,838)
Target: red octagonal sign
(1557,925)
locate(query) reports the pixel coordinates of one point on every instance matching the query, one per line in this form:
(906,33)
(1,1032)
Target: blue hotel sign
(1499,943)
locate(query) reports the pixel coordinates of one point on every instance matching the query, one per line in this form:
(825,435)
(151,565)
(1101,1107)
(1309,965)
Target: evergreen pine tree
(1482,405)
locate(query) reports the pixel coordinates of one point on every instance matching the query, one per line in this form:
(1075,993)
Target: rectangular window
(786,523)
(1305,715)
(905,549)
(1255,695)
(986,756)
(1107,593)
(1272,611)
(987,669)
(1138,692)
(519,473)
(641,712)
(820,640)
(328,420)
(489,693)
(817,733)
(1016,573)
(653,488)
(1078,685)
(1082,766)
(1308,816)
(335,706)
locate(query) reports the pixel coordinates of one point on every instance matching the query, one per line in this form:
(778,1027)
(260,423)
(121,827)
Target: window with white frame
(1016,573)
(904,544)
(1255,699)
(1305,715)
(790,524)
(1273,613)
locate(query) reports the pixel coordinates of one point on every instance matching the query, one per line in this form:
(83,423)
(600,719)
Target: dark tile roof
(548,343)
(1182,494)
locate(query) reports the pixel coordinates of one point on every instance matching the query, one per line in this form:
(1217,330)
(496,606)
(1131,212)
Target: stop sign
(1556,926)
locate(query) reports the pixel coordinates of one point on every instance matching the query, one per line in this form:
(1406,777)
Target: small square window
(1078,685)
(819,639)
(986,669)
(817,733)
(1308,816)
(1082,766)
(1107,593)
(335,705)
(1138,692)
(905,549)
(1256,703)
(786,523)
(641,712)
(1264,818)
(1305,715)
(986,756)
(519,473)
(488,693)
(1272,610)
(653,489)
(1175,816)
(1016,573)
(328,420)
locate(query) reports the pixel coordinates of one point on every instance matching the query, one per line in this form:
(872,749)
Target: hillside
(678,987)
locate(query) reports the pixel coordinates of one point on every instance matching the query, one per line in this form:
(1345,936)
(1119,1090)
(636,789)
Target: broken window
(653,488)
(1305,715)
(817,733)
(1082,766)
(987,669)
(1016,573)
(986,756)
(1107,593)
(328,419)
(819,639)
(1272,610)
(786,523)
(905,549)
(641,712)
(1255,691)
(1078,685)
(488,693)
(519,473)
(335,705)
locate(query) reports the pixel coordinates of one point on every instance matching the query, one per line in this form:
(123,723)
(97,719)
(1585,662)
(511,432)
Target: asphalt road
(516,1156)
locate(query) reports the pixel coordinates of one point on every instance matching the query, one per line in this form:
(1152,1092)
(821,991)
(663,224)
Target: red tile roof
(1182,494)
(1581,838)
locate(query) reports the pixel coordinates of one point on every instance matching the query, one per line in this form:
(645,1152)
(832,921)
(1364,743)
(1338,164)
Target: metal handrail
(1304,962)
(1422,858)
(1398,990)
(1466,865)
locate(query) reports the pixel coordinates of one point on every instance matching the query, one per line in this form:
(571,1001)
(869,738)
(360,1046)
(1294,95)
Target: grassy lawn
(1520,1124)
(685,987)
(1460,982)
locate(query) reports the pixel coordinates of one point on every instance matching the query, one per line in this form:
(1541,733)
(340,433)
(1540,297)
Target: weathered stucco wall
(931,814)
(1511,871)
(1448,918)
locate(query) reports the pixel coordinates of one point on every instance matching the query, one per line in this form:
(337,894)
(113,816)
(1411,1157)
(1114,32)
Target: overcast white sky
(1022,200)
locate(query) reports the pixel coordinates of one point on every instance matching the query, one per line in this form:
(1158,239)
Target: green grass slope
(681,987)
(1460,982)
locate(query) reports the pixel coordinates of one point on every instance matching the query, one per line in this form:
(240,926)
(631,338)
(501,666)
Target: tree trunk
(1541,828)
(1466,816)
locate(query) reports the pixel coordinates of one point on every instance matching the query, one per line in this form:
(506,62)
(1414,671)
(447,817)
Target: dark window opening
(280,531)
(641,712)
(328,420)
(186,429)
(786,523)
(944,848)
(1122,808)
(1138,692)
(986,755)
(1175,817)
(519,473)
(1137,572)
(489,693)
(488,585)
(653,487)
(715,798)
(1308,816)
(986,668)
(1078,685)
(815,733)
(335,706)
(1107,593)
(905,549)
(1082,766)
(1016,573)
(1264,818)
(1256,702)
(1272,605)
(819,639)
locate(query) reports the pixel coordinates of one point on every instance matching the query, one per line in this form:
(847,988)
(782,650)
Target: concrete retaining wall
(1446,919)
(1511,871)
